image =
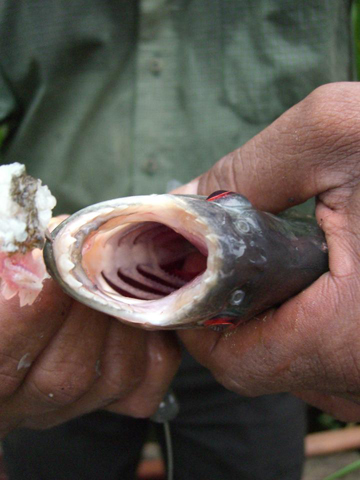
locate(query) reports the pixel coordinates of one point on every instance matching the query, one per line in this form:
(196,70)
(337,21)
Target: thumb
(298,156)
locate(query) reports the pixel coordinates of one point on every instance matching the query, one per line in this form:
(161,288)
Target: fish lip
(179,314)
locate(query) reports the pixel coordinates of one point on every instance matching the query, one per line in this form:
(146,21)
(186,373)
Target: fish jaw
(84,245)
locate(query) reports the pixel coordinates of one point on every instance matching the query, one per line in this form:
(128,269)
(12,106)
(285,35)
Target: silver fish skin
(181,261)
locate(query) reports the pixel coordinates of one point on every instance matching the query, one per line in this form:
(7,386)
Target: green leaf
(344,471)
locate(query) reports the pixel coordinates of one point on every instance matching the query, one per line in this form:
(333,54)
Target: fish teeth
(73,283)
(65,263)
(124,279)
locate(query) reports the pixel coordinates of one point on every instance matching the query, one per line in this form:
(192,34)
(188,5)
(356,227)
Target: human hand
(59,359)
(310,345)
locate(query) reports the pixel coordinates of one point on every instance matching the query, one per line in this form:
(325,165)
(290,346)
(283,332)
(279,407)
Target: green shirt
(111,98)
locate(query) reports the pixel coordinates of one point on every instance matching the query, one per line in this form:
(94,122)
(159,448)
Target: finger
(297,157)
(65,370)
(303,345)
(340,408)
(190,188)
(55,221)
(162,362)
(341,225)
(119,369)
(25,332)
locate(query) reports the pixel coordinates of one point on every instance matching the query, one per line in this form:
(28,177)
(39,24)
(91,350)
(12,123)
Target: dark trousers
(217,435)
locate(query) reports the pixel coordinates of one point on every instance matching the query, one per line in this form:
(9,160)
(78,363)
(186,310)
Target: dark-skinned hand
(60,359)
(310,345)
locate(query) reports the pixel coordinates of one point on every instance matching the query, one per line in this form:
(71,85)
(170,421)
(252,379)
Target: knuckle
(164,353)
(60,389)
(115,389)
(324,92)
(330,121)
(234,384)
(117,383)
(331,94)
(10,374)
(8,384)
(335,107)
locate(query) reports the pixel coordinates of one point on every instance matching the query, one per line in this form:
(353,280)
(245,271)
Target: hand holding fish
(60,359)
(310,345)
(134,259)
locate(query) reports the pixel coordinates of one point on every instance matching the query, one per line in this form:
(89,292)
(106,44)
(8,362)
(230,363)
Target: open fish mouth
(175,261)
(148,260)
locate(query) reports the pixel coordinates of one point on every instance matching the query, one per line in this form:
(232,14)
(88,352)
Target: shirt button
(150,166)
(155,66)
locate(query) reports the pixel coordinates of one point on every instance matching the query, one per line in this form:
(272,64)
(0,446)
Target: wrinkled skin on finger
(310,345)
(60,359)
